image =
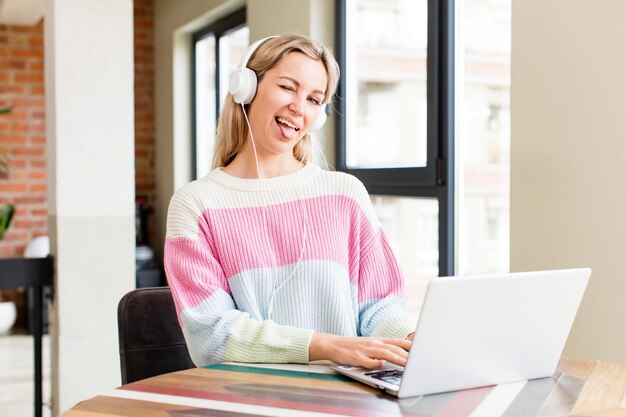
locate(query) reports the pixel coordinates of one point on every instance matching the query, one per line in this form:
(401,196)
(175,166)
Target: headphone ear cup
(242,85)
(321,119)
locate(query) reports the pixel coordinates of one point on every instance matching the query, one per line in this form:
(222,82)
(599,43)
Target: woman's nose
(296,106)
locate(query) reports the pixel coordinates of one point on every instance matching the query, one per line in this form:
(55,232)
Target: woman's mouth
(287,123)
(288,129)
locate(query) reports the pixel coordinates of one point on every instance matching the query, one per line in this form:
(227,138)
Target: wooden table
(578,388)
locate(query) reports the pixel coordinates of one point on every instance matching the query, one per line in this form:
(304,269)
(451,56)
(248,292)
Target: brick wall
(144,110)
(22,134)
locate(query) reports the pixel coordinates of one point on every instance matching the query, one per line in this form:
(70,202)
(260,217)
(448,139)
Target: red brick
(30,199)
(38,188)
(19,176)
(29,102)
(29,78)
(17,163)
(140,153)
(37,175)
(21,211)
(5,250)
(139,35)
(13,139)
(20,127)
(144,117)
(23,224)
(19,114)
(35,40)
(37,90)
(27,53)
(41,212)
(12,188)
(143,48)
(38,140)
(21,29)
(143,25)
(23,150)
(35,65)
(19,64)
(37,163)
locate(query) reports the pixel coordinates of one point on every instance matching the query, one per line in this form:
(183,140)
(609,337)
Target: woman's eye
(315,101)
(287,87)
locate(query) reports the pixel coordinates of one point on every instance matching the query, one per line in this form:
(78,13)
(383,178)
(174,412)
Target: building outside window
(218,49)
(484,121)
(389,104)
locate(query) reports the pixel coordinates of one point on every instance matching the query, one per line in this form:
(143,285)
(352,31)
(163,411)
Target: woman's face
(287,103)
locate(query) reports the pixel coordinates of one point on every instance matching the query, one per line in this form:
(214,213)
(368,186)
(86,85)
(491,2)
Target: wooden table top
(578,388)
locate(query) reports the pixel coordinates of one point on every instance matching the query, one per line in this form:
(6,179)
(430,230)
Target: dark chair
(151,341)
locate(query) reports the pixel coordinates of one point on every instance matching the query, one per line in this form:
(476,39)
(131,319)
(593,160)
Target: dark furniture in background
(149,271)
(149,277)
(150,339)
(35,274)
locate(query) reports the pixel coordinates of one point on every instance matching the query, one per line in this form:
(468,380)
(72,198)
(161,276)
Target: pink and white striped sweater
(233,243)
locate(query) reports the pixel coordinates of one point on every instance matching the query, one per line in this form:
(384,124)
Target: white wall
(175,21)
(568,157)
(91,188)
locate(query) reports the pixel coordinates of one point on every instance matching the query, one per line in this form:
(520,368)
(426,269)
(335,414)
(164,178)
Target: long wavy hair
(232,128)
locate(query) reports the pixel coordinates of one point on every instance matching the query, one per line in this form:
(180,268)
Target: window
(483,97)
(412,71)
(217,49)
(395,124)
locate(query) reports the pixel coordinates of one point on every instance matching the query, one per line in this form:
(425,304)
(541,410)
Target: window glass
(205,104)
(484,135)
(412,226)
(232,46)
(386,102)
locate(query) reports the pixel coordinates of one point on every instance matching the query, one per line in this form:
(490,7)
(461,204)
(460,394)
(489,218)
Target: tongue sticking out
(287,131)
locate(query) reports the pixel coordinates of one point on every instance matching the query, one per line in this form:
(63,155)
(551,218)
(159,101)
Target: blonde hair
(232,128)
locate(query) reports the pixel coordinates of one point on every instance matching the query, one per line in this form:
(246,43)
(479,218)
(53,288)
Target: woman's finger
(369,363)
(389,353)
(403,343)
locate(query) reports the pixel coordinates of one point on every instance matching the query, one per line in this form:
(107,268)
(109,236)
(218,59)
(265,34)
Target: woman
(269,258)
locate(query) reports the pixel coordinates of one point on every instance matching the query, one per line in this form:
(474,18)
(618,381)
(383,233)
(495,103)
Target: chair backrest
(151,341)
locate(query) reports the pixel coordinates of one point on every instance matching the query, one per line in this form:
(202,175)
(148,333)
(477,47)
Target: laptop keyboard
(392,376)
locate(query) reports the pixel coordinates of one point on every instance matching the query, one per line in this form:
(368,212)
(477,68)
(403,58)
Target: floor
(16,376)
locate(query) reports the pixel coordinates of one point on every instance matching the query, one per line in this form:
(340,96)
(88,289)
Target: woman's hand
(368,352)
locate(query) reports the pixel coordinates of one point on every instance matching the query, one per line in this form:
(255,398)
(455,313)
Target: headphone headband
(244,60)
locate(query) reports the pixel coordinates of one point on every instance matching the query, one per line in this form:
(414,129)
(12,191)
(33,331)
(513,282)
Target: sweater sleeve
(215,331)
(383,307)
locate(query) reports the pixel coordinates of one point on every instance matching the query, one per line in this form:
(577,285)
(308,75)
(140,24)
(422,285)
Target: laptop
(484,330)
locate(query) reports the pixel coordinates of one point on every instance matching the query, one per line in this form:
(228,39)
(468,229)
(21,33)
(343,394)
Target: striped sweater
(232,250)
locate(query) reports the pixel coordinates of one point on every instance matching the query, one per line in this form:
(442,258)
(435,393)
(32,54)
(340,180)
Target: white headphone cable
(304,216)
(304,236)
(256,158)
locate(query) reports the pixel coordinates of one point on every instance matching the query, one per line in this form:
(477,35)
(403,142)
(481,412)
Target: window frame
(436,179)
(220,28)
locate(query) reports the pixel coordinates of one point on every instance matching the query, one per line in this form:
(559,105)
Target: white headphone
(243,82)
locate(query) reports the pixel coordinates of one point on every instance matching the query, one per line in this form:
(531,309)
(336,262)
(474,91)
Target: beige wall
(175,21)
(568,157)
